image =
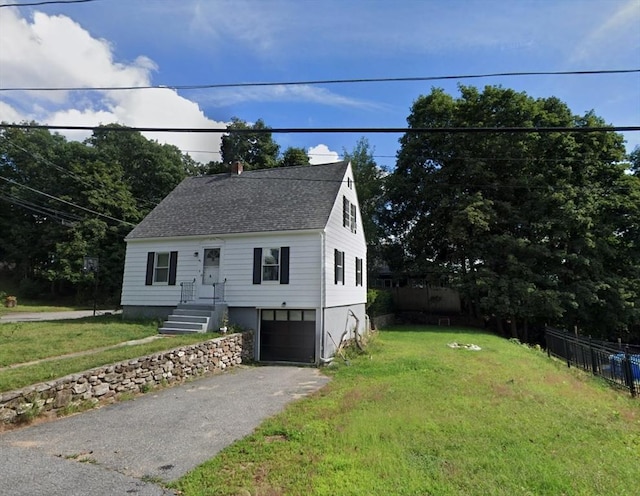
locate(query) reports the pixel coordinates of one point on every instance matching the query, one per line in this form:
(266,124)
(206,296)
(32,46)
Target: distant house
(281,251)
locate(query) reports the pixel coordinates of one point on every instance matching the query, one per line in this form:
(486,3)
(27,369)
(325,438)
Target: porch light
(195,254)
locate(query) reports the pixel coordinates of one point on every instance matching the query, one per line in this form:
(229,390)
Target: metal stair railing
(187,291)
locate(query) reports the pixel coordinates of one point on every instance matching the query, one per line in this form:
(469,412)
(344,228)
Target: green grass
(417,417)
(23,342)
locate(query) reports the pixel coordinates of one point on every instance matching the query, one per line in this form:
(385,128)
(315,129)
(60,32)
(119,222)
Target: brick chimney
(236,168)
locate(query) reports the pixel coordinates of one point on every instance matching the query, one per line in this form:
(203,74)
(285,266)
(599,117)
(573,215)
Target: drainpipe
(323,360)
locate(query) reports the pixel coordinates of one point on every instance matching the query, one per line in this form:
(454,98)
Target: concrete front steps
(191,318)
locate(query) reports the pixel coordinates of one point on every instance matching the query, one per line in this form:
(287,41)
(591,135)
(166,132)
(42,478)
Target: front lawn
(416,417)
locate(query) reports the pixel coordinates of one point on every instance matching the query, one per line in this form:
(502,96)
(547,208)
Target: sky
(110,43)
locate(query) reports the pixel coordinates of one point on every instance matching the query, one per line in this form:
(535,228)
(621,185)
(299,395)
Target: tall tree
(150,169)
(257,150)
(634,158)
(67,200)
(294,156)
(517,220)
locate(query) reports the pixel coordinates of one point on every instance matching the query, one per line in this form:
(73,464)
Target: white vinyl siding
(134,290)
(340,237)
(236,269)
(303,288)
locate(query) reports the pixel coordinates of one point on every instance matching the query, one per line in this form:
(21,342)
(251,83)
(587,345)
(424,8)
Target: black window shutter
(257,265)
(344,269)
(336,255)
(173,266)
(284,265)
(151,256)
(345,212)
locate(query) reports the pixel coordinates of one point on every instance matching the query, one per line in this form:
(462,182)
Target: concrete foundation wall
(146,312)
(337,320)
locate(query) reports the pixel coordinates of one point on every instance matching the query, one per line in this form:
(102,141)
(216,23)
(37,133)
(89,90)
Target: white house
(282,251)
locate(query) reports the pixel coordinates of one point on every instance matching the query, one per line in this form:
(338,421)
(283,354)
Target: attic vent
(236,167)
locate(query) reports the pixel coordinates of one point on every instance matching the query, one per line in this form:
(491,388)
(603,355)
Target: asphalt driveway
(120,448)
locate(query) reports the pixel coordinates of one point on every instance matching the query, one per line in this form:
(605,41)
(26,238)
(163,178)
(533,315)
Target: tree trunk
(499,325)
(514,328)
(525,331)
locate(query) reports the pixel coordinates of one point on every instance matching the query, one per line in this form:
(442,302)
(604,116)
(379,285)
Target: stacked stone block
(103,384)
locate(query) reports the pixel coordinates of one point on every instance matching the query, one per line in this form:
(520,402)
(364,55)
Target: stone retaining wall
(101,384)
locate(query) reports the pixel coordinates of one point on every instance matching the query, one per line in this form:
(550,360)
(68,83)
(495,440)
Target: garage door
(288,336)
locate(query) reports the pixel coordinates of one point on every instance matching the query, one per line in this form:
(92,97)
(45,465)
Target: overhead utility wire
(366,130)
(78,178)
(323,81)
(45,212)
(44,2)
(11,181)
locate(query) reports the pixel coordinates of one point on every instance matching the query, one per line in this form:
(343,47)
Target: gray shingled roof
(284,199)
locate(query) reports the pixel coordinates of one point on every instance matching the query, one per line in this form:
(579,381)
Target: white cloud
(8,113)
(320,154)
(55,51)
(602,42)
(280,93)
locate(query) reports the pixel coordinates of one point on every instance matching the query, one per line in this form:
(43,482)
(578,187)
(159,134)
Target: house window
(161,268)
(348,215)
(161,271)
(338,266)
(271,264)
(358,271)
(349,183)
(353,218)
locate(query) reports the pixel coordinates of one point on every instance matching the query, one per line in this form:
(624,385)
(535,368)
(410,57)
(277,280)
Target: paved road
(162,435)
(37,316)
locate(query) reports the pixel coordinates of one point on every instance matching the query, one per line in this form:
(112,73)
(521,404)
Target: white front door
(210,272)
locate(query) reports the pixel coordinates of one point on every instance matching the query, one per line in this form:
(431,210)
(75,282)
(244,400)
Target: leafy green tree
(521,222)
(67,200)
(150,169)
(256,150)
(634,158)
(29,161)
(294,156)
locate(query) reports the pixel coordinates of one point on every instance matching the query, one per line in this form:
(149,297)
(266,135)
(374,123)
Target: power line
(44,2)
(60,215)
(11,181)
(313,82)
(338,130)
(78,178)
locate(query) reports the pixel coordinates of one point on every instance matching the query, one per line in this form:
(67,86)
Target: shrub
(379,302)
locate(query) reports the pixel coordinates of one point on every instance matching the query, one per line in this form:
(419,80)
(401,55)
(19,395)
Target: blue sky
(179,42)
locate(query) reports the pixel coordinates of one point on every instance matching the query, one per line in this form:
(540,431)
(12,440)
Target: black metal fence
(615,362)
